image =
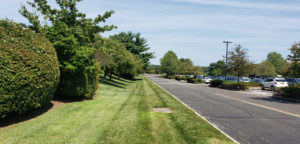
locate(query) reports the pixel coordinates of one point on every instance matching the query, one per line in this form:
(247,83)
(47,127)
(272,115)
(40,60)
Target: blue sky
(196,28)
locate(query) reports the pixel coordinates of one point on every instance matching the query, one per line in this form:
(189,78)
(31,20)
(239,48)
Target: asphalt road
(248,117)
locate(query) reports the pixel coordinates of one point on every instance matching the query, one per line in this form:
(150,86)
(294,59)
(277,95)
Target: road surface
(248,117)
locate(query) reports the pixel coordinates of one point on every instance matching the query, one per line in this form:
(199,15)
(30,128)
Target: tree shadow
(68,99)
(14,118)
(274,99)
(114,83)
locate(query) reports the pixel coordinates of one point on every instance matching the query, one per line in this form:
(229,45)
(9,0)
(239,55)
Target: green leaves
(169,63)
(238,63)
(136,45)
(72,35)
(29,69)
(115,59)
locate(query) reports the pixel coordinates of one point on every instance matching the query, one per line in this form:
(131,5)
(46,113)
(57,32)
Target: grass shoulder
(121,112)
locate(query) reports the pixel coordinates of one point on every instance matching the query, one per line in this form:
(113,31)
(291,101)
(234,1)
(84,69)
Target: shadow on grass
(119,83)
(68,99)
(111,83)
(15,118)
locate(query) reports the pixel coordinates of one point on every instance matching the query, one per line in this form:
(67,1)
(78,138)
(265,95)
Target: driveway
(248,117)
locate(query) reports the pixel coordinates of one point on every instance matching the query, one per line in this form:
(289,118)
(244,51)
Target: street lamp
(227,42)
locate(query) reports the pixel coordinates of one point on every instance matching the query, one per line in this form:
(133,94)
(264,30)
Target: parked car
(272,83)
(292,81)
(258,80)
(245,79)
(233,79)
(297,80)
(207,79)
(199,77)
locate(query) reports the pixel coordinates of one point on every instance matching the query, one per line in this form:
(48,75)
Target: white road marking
(258,105)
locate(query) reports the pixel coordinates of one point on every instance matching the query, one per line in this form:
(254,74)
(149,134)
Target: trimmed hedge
(179,78)
(230,85)
(170,77)
(192,80)
(234,85)
(288,92)
(215,83)
(253,84)
(29,69)
(84,85)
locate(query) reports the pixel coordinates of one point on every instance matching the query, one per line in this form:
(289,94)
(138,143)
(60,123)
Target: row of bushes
(193,80)
(289,92)
(189,80)
(233,85)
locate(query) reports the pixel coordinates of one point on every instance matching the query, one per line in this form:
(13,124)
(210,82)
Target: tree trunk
(103,78)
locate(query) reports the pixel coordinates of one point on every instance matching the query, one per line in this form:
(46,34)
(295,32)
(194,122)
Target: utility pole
(227,42)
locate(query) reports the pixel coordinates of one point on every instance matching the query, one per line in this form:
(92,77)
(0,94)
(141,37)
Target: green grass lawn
(121,112)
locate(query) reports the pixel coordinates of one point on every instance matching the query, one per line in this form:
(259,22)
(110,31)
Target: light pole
(227,42)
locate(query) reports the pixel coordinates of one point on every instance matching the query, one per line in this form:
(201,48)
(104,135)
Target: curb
(215,126)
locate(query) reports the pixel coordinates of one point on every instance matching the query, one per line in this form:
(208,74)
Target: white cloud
(252,5)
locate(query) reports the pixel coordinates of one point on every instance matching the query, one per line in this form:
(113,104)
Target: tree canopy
(136,45)
(169,63)
(186,66)
(114,59)
(277,61)
(217,69)
(238,63)
(294,69)
(72,35)
(265,68)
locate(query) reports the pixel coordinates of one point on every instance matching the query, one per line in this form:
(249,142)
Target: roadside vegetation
(239,66)
(62,56)
(121,112)
(29,69)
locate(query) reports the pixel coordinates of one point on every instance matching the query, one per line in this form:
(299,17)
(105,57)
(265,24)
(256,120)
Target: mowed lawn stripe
(121,112)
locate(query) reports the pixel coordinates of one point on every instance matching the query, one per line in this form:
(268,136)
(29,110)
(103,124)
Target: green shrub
(78,85)
(215,83)
(29,69)
(192,80)
(171,77)
(254,84)
(288,92)
(179,78)
(200,81)
(234,85)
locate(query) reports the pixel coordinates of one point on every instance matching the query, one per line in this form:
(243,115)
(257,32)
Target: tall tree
(114,59)
(186,66)
(238,63)
(136,45)
(266,68)
(277,61)
(71,33)
(217,69)
(294,69)
(197,70)
(169,64)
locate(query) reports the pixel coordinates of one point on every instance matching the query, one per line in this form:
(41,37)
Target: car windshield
(298,80)
(280,80)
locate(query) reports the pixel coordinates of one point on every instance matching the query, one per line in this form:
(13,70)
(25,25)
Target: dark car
(258,80)
(292,81)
